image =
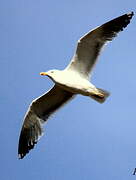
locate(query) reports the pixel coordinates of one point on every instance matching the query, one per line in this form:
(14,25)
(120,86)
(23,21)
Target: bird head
(52,74)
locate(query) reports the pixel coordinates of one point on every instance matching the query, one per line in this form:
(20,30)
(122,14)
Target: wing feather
(38,113)
(90,45)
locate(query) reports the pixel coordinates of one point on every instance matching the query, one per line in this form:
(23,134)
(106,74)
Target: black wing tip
(127,19)
(25,144)
(111,28)
(130,14)
(29,136)
(23,150)
(21,156)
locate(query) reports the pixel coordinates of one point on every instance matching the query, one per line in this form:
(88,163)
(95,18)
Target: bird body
(73,80)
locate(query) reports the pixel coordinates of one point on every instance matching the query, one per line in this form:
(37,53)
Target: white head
(52,74)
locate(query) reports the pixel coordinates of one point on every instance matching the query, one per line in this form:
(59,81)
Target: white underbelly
(77,86)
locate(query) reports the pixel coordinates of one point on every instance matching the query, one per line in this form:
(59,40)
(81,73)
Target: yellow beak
(43,73)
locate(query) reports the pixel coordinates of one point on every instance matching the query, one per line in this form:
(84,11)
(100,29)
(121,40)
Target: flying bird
(73,80)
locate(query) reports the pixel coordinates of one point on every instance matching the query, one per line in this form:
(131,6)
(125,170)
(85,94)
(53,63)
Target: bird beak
(43,73)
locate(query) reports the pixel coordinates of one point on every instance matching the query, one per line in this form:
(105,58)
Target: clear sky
(84,140)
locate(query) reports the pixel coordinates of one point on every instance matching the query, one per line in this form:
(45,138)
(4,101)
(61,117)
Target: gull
(73,80)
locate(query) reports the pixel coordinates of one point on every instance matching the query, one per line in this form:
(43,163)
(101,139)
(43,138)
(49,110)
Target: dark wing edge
(37,114)
(89,46)
(111,28)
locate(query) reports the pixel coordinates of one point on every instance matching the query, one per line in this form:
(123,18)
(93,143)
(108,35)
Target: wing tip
(130,14)
(21,156)
(23,151)
(26,143)
(128,18)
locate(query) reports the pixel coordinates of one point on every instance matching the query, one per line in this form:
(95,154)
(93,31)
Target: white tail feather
(100,96)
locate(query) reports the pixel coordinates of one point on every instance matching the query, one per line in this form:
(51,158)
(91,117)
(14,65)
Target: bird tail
(100,96)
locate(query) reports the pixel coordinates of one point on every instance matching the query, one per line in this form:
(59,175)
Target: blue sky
(84,140)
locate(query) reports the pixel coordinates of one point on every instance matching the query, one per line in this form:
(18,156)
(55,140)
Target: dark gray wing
(38,112)
(90,45)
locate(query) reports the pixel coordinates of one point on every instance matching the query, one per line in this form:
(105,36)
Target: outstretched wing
(90,45)
(38,113)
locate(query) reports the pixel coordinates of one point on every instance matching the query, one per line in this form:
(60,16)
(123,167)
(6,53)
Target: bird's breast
(74,85)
